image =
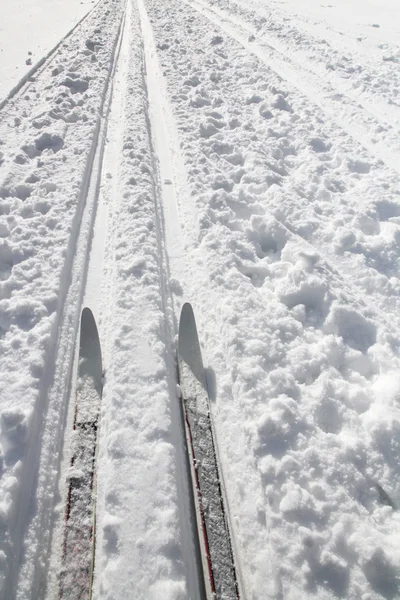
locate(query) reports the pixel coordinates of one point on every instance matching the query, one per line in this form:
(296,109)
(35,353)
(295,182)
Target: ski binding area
(200,304)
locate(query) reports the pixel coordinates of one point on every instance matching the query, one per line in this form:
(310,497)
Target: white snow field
(29,30)
(243,156)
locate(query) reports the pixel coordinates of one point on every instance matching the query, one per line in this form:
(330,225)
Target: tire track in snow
(309,85)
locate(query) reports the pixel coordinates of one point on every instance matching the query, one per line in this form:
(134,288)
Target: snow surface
(29,30)
(244,157)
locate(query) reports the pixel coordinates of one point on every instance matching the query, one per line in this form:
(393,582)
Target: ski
(79,544)
(214,536)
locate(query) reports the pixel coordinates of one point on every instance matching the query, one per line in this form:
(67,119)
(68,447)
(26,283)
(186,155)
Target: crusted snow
(244,157)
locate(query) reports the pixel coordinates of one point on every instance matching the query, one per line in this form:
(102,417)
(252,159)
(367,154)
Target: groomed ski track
(214,167)
(26,543)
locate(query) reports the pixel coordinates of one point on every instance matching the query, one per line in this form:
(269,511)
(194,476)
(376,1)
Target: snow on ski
(217,557)
(78,556)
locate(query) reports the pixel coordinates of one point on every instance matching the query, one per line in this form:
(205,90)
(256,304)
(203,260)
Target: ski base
(78,553)
(214,536)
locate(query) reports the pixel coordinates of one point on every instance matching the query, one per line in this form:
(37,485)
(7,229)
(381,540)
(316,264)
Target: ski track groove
(286,55)
(173,258)
(363,94)
(98,273)
(168,322)
(65,329)
(91,196)
(185,260)
(192,289)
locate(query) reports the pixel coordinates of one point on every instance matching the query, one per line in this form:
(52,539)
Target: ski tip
(188,344)
(187,320)
(87,319)
(89,329)
(87,313)
(187,309)
(89,348)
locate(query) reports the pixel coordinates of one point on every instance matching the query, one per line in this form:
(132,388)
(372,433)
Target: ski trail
(365,72)
(112,142)
(277,51)
(186,66)
(60,375)
(179,215)
(358,124)
(93,264)
(188,279)
(226,25)
(132,311)
(176,259)
(164,217)
(168,192)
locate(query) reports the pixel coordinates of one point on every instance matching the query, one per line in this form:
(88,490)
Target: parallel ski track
(178,233)
(168,222)
(58,377)
(363,99)
(171,256)
(318,91)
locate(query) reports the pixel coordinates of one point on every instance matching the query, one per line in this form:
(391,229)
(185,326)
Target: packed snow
(243,157)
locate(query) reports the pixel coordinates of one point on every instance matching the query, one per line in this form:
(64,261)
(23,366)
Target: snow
(357,16)
(242,157)
(29,30)
(44,192)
